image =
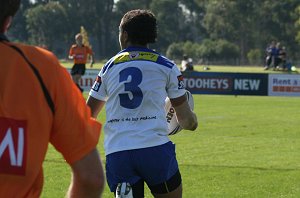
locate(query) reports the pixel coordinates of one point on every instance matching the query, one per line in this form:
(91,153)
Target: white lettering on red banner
(13,146)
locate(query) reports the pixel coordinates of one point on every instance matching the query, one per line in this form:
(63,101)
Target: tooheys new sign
(226,83)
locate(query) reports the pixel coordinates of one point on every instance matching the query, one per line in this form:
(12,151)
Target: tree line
(213,31)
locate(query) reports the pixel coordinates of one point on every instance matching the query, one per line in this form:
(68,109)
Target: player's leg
(76,78)
(163,178)
(125,190)
(177,193)
(279,62)
(284,65)
(172,188)
(81,72)
(268,62)
(120,169)
(76,75)
(272,62)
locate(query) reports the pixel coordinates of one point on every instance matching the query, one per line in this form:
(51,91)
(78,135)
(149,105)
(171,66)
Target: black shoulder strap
(37,74)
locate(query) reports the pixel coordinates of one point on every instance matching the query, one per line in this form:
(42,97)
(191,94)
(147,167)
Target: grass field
(245,146)
(212,68)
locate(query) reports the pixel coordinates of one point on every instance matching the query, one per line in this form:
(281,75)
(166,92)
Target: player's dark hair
(8,8)
(140,26)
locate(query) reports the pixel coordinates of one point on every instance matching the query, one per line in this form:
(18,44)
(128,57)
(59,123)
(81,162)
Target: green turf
(245,146)
(69,64)
(200,68)
(238,69)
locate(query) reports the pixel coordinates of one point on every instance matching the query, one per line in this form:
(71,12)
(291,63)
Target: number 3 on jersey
(131,86)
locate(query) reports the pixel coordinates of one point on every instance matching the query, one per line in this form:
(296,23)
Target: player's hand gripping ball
(173,125)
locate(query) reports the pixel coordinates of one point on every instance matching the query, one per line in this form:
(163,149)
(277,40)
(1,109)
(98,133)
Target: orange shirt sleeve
(74,132)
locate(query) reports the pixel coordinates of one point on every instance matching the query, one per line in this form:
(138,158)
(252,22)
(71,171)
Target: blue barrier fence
(228,83)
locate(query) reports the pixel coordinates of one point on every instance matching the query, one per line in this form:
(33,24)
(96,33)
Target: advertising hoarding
(284,85)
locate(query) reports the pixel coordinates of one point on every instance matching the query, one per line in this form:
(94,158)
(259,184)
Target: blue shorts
(153,165)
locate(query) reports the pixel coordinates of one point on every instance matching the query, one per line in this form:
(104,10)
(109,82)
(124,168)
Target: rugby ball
(173,125)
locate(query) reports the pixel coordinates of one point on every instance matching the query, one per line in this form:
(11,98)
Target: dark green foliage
(207,50)
(47,25)
(208,29)
(256,56)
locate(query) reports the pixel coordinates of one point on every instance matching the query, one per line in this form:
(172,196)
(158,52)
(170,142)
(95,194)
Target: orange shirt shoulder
(27,123)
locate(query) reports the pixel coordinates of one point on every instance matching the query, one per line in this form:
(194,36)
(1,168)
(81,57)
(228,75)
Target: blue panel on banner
(226,83)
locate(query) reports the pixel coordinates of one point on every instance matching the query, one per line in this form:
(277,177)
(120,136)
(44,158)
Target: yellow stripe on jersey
(129,56)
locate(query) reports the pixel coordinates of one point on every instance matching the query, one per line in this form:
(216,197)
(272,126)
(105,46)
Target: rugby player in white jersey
(133,85)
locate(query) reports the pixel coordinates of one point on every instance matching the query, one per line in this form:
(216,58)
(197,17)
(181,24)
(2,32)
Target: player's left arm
(92,59)
(187,119)
(91,56)
(185,116)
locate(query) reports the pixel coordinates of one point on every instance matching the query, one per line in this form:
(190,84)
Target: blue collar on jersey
(3,37)
(161,60)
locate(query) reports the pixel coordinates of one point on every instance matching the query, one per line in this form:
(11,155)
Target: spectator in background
(277,58)
(80,53)
(40,105)
(270,55)
(186,64)
(283,58)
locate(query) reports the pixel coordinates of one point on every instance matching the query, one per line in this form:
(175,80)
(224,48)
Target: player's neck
(137,45)
(128,44)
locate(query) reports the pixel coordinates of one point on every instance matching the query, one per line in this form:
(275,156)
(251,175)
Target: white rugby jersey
(135,84)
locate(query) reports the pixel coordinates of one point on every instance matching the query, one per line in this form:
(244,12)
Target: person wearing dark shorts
(133,85)
(78,69)
(161,178)
(79,53)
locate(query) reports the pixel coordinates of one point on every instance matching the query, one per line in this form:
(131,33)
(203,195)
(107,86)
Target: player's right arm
(95,105)
(97,96)
(71,53)
(187,119)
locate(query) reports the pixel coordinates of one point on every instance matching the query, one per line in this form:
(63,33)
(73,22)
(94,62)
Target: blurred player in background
(270,55)
(134,85)
(39,104)
(80,53)
(186,64)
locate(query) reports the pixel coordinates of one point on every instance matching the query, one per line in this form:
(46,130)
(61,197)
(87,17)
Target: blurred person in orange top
(39,104)
(80,53)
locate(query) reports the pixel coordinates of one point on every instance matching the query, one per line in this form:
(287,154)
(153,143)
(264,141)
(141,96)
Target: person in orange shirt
(39,104)
(80,53)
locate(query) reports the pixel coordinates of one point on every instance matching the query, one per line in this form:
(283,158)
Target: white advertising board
(284,85)
(88,79)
